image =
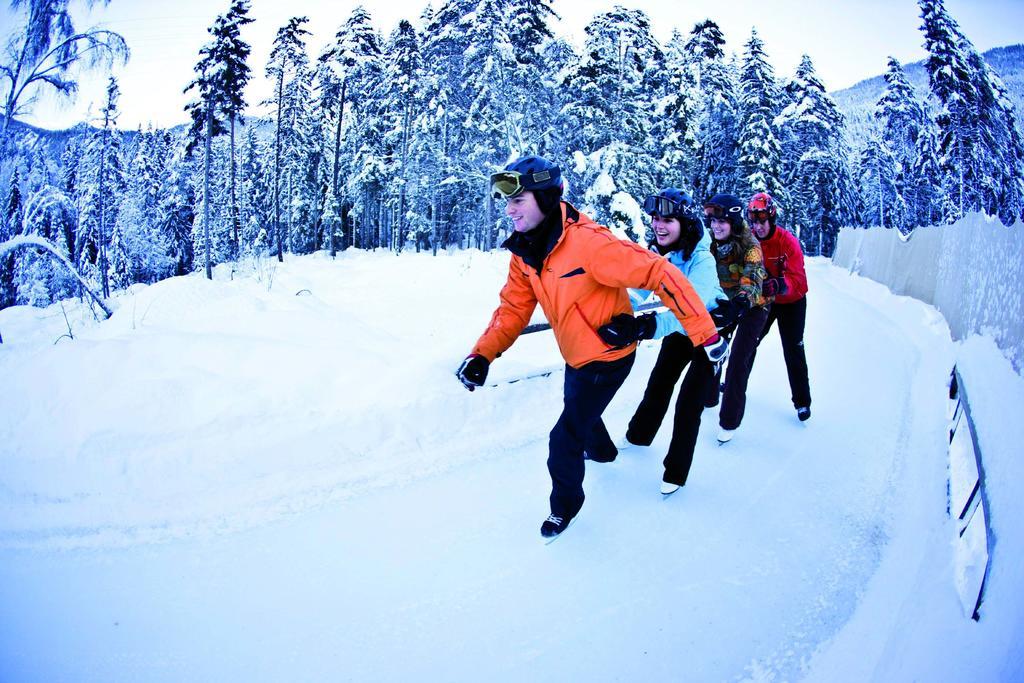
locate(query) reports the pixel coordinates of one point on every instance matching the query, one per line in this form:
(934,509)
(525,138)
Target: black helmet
(671,202)
(726,206)
(526,173)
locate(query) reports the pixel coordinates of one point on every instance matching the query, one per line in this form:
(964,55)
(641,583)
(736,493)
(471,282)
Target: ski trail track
(441,574)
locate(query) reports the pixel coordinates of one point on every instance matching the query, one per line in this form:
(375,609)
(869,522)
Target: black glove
(473,371)
(730,311)
(773,286)
(717,352)
(624,329)
(726,313)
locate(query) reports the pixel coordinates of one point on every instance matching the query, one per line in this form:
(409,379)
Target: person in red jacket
(787,285)
(578,272)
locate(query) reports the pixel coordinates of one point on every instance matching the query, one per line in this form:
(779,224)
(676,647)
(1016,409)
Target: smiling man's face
(524,212)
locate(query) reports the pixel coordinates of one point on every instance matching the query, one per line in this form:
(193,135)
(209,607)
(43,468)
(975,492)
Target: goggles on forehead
(509,184)
(758,215)
(718,211)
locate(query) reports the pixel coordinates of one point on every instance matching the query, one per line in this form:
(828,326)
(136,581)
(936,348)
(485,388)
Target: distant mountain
(858,102)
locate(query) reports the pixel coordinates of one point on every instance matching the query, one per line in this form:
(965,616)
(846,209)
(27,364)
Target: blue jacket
(702,273)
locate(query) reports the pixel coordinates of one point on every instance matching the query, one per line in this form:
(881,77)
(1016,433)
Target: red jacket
(581,285)
(784,258)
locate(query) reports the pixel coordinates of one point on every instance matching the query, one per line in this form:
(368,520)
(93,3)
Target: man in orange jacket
(578,272)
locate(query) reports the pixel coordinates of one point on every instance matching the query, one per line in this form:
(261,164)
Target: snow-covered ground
(276,477)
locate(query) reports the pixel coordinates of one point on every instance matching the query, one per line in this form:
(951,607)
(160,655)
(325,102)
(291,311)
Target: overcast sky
(847,41)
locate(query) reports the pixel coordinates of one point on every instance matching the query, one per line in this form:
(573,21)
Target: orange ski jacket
(581,285)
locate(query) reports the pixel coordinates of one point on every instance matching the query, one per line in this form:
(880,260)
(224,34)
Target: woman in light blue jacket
(680,236)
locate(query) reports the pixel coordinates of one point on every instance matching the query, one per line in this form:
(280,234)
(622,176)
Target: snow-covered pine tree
(438,124)
(492,125)
(718,117)
(101,184)
(400,93)
(138,221)
(301,157)
(923,192)
(760,151)
(287,59)
(548,127)
(176,207)
(256,206)
(233,55)
(613,85)
(1010,143)
(813,129)
(207,113)
(10,225)
(531,83)
(901,117)
(877,171)
(674,117)
(344,72)
(980,145)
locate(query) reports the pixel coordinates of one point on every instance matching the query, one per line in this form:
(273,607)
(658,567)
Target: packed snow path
(278,478)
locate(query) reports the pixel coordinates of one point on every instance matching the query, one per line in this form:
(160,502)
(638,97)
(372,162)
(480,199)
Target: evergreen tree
(493,128)
(287,59)
(207,114)
(235,73)
(531,83)
(439,137)
(815,161)
(674,117)
(614,80)
(901,117)
(548,127)
(719,114)
(612,115)
(256,206)
(980,144)
(401,91)
(137,228)
(100,191)
(760,151)
(878,188)
(176,209)
(923,193)
(345,74)
(704,47)
(10,225)
(1010,144)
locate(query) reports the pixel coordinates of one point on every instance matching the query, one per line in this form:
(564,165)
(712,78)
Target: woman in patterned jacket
(740,272)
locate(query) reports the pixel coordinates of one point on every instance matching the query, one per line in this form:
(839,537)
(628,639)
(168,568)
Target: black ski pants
(588,391)
(792,318)
(677,351)
(741,361)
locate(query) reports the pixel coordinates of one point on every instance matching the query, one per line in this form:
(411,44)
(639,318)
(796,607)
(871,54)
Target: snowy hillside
(277,477)
(858,101)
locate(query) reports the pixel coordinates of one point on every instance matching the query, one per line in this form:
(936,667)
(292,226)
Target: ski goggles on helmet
(663,206)
(509,184)
(721,212)
(758,215)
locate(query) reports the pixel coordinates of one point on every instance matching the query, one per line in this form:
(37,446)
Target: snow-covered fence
(971,271)
(968,504)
